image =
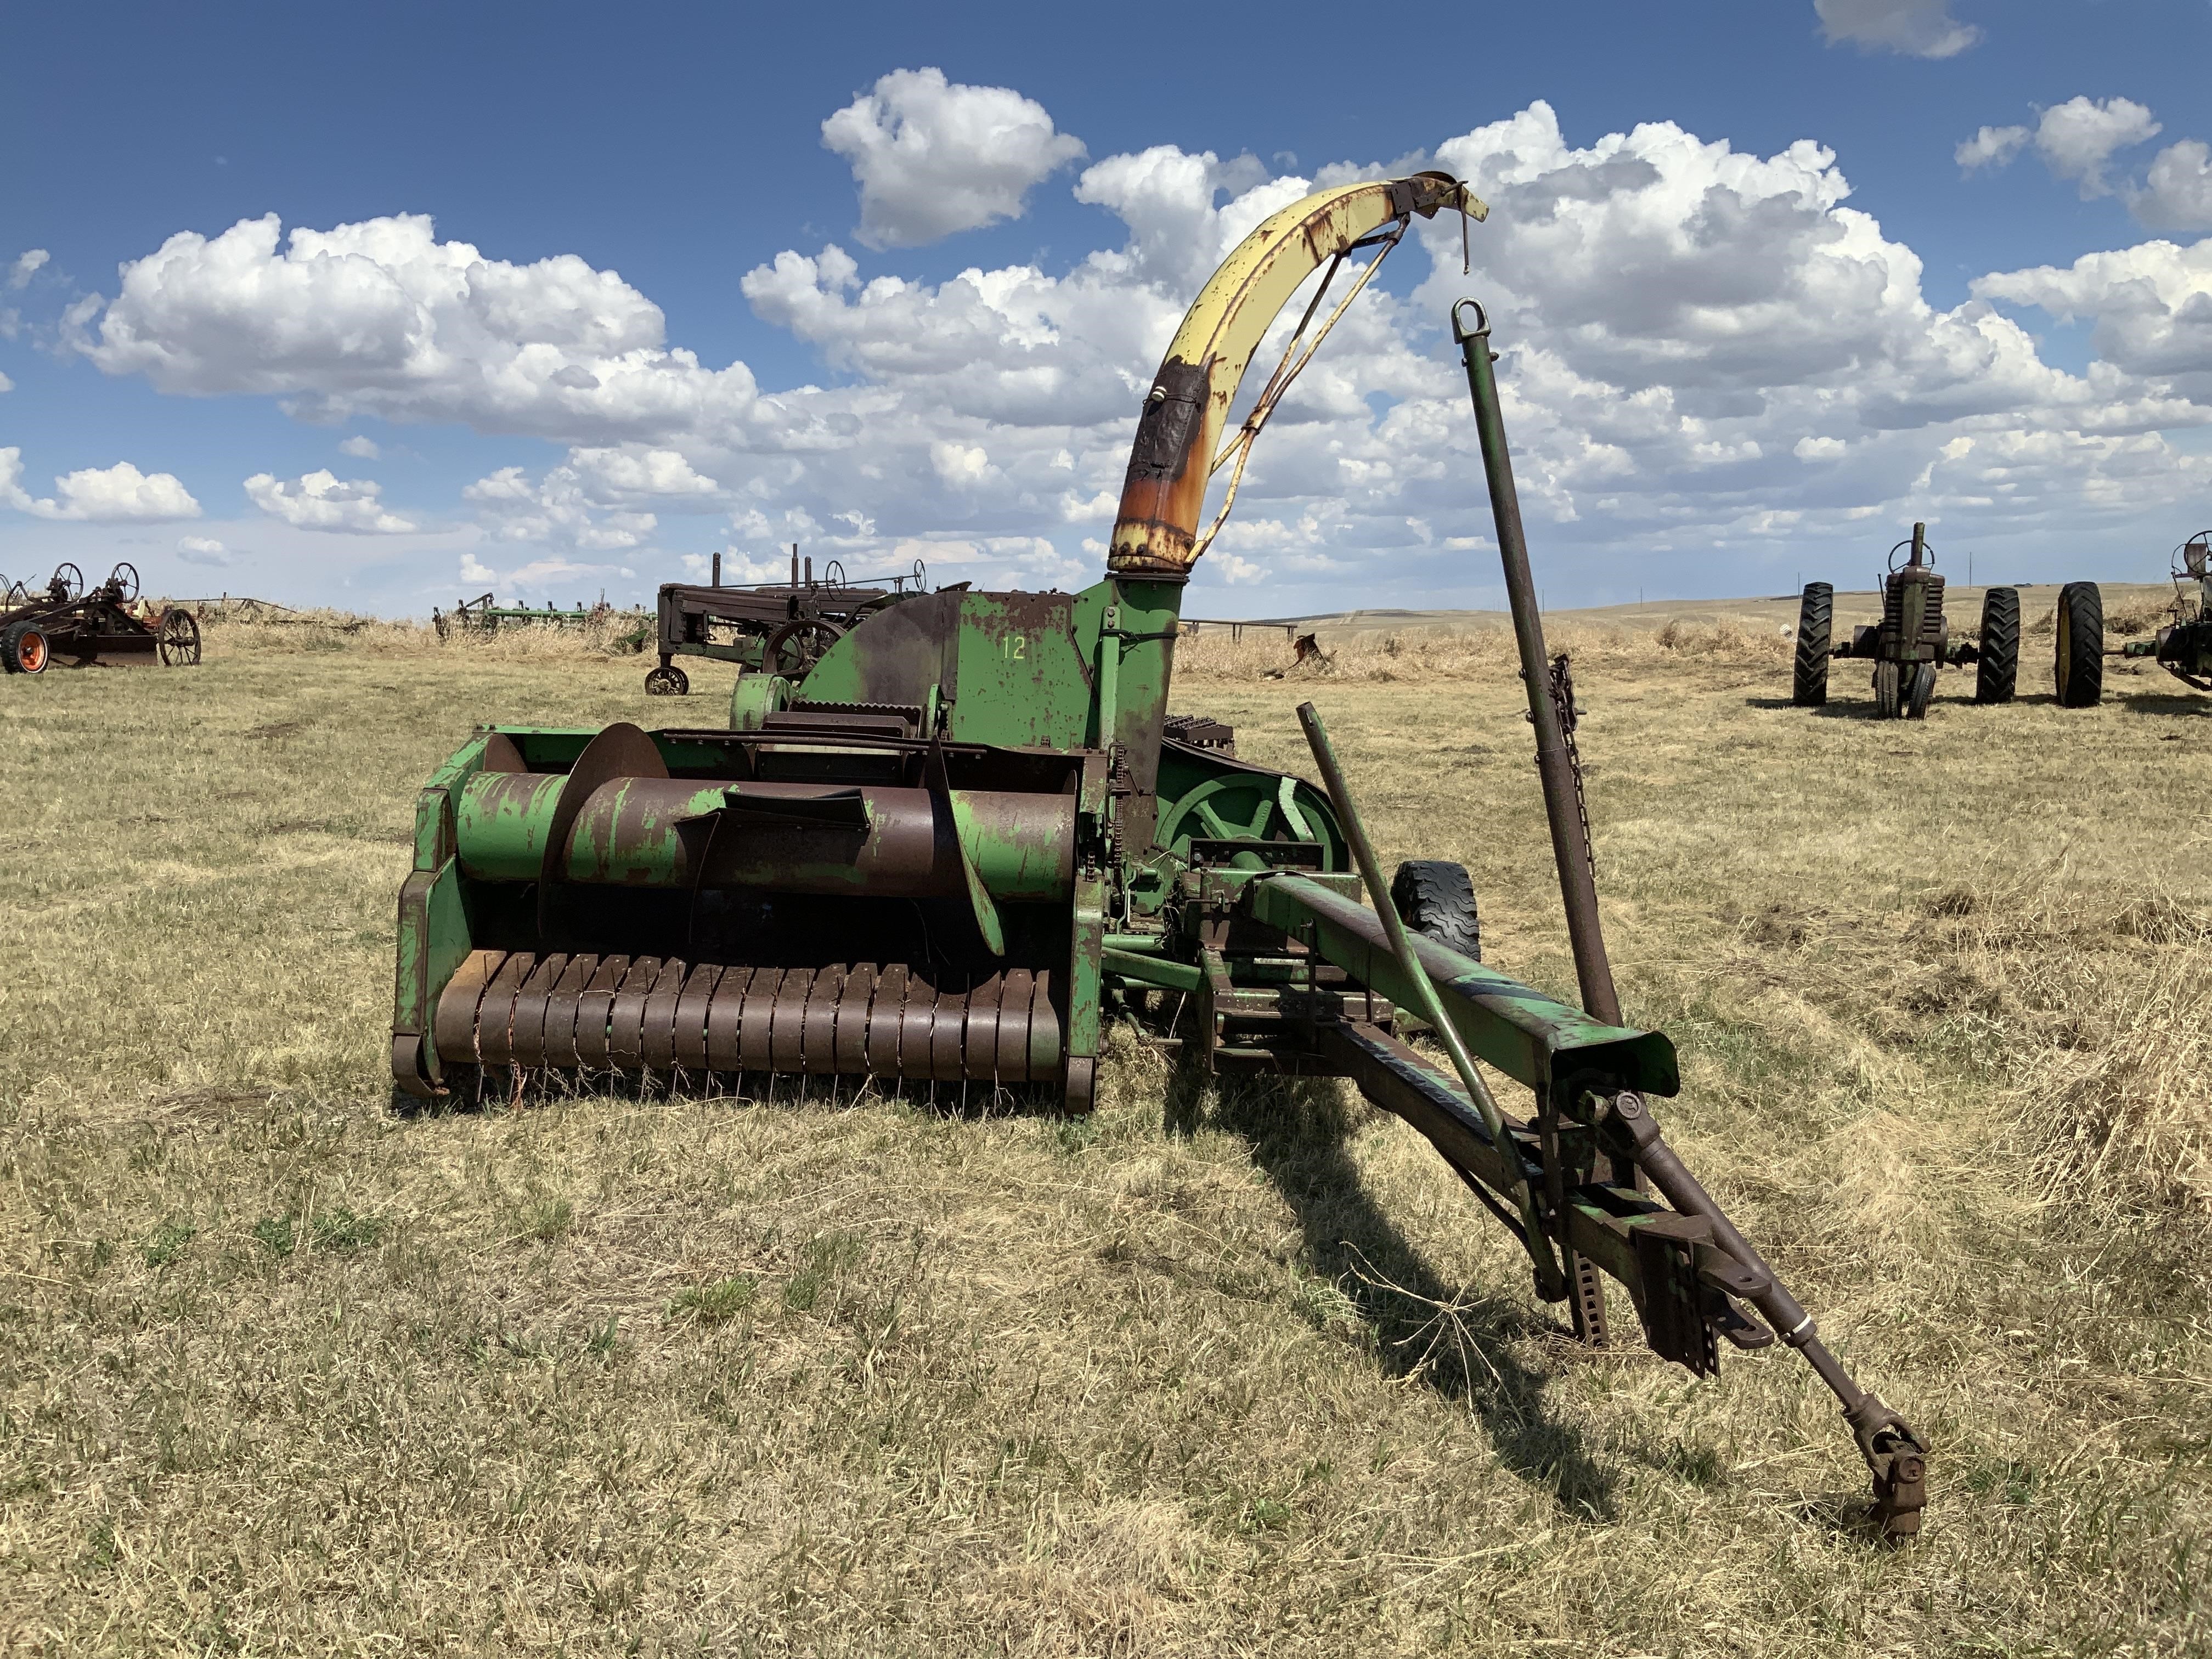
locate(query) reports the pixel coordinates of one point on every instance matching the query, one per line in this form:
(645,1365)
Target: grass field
(281,1371)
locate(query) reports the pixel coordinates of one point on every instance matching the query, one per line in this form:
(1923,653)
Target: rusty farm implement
(65,622)
(2183,644)
(783,627)
(970,835)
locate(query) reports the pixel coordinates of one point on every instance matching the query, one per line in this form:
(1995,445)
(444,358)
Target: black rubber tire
(1919,689)
(1816,623)
(1888,690)
(667,681)
(1997,675)
(25,649)
(2079,663)
(1435,897)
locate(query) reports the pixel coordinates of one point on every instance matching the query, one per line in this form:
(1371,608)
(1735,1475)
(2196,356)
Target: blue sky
(1726,372)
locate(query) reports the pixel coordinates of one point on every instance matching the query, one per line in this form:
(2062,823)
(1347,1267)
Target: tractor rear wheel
(24,649)
(1997,675)
(2079,665)
(1919,689)
(1887,686)
(667,681)
(1436,898)
(1816,621)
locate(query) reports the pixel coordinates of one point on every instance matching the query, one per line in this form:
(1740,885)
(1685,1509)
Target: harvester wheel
(1997,675)
(1919,690)
(1436,898)
(667,681)
(2079,665)
(1888,683)
(1816,621)
(24,650)
(180,642)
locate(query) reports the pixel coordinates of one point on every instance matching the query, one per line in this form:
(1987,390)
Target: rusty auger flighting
(971,835)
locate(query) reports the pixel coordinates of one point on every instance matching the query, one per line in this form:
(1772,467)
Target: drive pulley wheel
(68,582)
(124,579)
(24,649)
(797,645)
(1918,680)
(1816,622)
(179,640)
(667,681)
(2079,661)
(1996,674)
(1435,897)
(1888,684)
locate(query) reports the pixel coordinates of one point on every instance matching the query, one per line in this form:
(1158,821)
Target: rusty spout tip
(1898,1530)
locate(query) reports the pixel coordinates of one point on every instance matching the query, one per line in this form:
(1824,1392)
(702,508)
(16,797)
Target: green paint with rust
(1531,1037)
(502,820)
(432,931)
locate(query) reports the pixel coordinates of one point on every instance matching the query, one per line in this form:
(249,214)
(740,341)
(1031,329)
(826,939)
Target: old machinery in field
(1909,641)
(107,626)
(780,627)
(484,615)
(971,835)
(2184,645)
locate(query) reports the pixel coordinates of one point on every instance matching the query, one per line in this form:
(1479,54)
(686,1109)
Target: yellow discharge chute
(1156,534)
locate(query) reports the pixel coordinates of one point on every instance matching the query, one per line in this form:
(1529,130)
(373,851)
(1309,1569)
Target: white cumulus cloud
(589,502)
(932,157)
(361,448)
(2177,191)
(207,551)
(739,569)
(28,264)
(1918,28)
(2077,139)
(322,501)
(2151,305)
(109,494)
(381,318)
(1989,146)
(559,581)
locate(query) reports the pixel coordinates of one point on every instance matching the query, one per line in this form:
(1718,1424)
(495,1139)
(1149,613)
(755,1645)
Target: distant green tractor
(1909,641)
(2184,646)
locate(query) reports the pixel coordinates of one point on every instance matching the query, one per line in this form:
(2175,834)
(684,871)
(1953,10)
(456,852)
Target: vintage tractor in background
(1909,641)
(971,837)
(781,628)
(62,621)
(2184,646)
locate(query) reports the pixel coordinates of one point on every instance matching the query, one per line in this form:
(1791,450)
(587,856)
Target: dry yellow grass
(1215,1371)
